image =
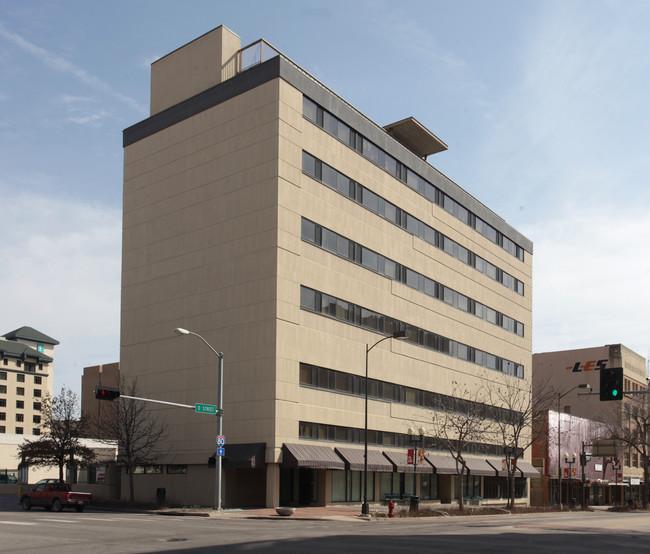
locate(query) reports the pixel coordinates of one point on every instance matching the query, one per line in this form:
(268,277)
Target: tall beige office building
(271,217)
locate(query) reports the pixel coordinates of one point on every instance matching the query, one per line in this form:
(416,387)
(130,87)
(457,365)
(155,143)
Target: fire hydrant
(391,508)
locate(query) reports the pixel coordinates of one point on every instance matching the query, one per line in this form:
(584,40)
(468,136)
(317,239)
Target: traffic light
(611,384)
(107,393)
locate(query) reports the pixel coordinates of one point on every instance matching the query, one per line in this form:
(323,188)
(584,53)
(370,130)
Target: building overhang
(411,134)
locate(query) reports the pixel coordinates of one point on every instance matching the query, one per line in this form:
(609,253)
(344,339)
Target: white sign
(598,467)
(635,481)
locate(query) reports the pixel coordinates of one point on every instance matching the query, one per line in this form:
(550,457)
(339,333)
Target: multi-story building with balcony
(26,376)
(266,214)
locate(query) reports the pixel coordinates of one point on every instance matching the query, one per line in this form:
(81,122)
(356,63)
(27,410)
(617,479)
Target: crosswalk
(80,519)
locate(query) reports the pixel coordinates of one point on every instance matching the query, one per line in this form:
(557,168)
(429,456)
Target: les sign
(592,365)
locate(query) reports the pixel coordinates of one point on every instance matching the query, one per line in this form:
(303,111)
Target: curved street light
(365,508)
(559,438)
(217,484)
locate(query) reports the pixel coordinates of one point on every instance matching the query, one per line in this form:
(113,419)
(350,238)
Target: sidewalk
(331,513)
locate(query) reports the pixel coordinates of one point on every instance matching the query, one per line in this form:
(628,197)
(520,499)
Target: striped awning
(444,465)
(244,456)
(310,455)
(527,470)
(476,466)
(353,458)
(398,459)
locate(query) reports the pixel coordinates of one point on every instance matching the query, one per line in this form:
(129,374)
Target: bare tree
(59,444)
(460,422)
(137,431)
(514,411)
(633,432)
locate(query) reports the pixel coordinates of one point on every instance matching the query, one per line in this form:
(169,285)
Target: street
(102,531)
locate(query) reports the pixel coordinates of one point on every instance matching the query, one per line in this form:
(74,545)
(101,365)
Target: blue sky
(544,106)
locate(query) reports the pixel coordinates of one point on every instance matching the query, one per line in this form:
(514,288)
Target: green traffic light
(615,392)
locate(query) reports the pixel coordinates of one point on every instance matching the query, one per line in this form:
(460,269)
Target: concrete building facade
(265,213)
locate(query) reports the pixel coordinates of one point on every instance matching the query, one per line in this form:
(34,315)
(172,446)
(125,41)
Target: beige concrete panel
(237,114)
(199,151)
(193,68)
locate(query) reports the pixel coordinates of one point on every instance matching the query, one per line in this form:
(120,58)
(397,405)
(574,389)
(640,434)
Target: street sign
(221,451)
(221,440)
(205,408)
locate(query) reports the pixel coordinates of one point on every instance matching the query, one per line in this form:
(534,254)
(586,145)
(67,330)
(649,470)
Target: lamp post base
(365,509)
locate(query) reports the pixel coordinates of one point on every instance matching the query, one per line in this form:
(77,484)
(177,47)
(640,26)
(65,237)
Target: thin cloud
(67,283)
(57,63)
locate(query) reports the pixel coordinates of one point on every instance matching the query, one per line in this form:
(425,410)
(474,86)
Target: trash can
(160,496)
(415,504)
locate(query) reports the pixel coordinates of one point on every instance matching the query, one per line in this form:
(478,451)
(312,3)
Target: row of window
(20,430)
(20,404)
(335,127)
(20,418)
(338,433)
(356,253)
(356,192)
(27,366)
(331,306)
(20,378)
(347,383)
(20,391)
(157,469)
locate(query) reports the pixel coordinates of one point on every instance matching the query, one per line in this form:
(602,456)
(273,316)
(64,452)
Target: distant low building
(92,409)
(564,371)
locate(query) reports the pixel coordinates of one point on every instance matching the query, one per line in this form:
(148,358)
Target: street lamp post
(510,455)
(365,509)
(559,439)
(417,440)
(570,463)
(217,483)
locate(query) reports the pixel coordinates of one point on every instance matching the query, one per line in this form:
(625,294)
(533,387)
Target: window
(37,406)
(5,361)
(37,393)
(20,391)
(36,419)
(3,402)
(19,430)
(3,375)
(20,378)
(38,379)
(3,388)
(177,469)
(20,404)
(3,416)
(2,429)
(20,418)
(18,363)
(36,431)
(152,469)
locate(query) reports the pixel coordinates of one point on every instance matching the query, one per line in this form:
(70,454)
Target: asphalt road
(97,531)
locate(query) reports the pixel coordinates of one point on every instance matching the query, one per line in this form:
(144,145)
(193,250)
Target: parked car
(9,478)
(55,496)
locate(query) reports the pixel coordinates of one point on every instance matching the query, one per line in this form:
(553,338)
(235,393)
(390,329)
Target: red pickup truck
(55,496)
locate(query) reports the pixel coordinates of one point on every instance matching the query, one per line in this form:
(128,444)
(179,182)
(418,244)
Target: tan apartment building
(26,377)
(564,371)
(266,214)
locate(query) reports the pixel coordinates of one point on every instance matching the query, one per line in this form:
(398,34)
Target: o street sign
(221,451)
(205,408)
(221,440)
